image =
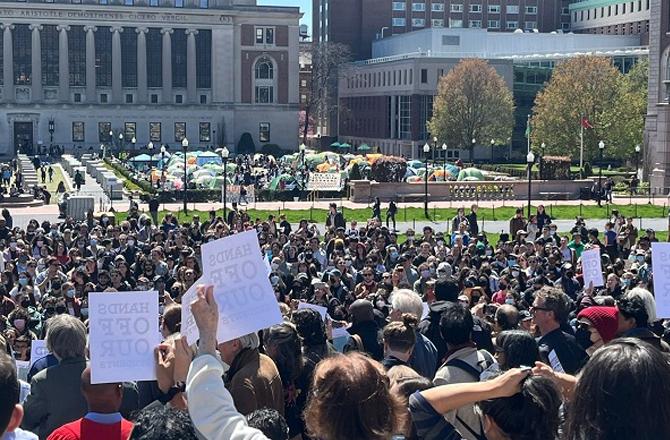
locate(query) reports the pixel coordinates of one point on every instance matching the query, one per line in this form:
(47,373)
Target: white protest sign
(246,300)
(660,263)
(233,193)
(591,268)
(123,334)
(188,326)
(324,182)
(38,350)
(22,369)
(426,310)
(321,310)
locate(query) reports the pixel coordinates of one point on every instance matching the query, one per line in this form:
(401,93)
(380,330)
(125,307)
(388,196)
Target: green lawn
(573,169)
(53,185)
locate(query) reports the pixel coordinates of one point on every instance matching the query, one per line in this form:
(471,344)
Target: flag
(586,123)
(528,129)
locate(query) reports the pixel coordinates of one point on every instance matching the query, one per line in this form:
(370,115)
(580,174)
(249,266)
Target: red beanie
(604,319)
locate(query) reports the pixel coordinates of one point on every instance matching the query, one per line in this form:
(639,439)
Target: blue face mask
(511,262)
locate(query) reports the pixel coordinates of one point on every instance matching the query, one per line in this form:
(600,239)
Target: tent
(470,174)
(364,147)
(336,145)
(141,158)
(416,164)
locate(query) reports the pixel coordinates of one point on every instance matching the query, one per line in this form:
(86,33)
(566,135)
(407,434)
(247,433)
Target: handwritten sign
(660,262)
(591,268)
(242,289)
(38,350)
(324,182)
(123,334)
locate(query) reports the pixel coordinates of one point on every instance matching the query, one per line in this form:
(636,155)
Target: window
(530,25)
(153,3)
(475,24)
(77,97)
(22,46)
(398,6)
(405,117)
(437,22)
(178,3)
(128,58)
(398,21)
(102,2)
(104,128)
(104,98)
(128,2)
(264,81)
(154,42)
(129,98)
(264,132)
(203,99)
(565,11)
(265,35)
(205,132)
(78,131)
(455,23)
(179,131)
(179,58)
(565,26)
(203,59)
(77,55)
(179,99)
(155,131)
(512,9)
(512,25)
(475,8)
(494,9)
(531,9)
(494,24)
(154,98)
(418,22)
(424,76)
(456,7)
(204,4)
(129,131)
(437,7)
(103,57)
(49,40)
(418,7)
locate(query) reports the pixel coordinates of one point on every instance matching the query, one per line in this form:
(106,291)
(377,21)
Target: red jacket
(84,429)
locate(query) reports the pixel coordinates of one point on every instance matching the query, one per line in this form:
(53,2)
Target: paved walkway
(93,189)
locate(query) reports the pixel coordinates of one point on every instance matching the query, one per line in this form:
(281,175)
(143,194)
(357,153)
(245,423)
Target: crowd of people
(434,336)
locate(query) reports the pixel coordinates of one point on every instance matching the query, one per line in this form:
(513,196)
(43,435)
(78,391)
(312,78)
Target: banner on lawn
(233,194)
(324,182)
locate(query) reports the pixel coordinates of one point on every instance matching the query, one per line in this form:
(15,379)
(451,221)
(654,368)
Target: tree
(591,87)
(473,102)
(327,57)
(246,144)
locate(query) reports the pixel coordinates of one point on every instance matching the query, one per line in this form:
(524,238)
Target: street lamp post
(133,141)
(638,150)
(530,160)
(52,128)
(434,152)
(444,161)
(184,147)
(426,152)
(302,149)
(472,150)
(601,149)
(224,156)
(541,158)
(163,151)
(120,142)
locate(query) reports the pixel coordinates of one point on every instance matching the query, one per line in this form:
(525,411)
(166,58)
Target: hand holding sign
(206,315)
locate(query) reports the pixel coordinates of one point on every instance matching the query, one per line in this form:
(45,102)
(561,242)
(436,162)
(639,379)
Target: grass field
(53,185)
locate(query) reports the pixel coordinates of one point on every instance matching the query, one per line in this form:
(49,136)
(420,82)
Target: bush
(355,173)
(144,185)
(273,150)
(555,168)
(246,144)
(588,169)
(389,169)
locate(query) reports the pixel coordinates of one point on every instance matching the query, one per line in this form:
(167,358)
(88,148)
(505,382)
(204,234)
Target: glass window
(529,25)
(531,9)
(512,25)
(129,58)
(103,57)
(129,131)
(204,4)
(418,22)
(494,9)
(264,95)
(153,3)
(154,58)
(424,76)
(203,59)
(179,131)
(102,2)
(264,69)
(179,99)
(179,3)
(475,24)
(418,7)
(475,8)
(155,131)
(455,23)
(437,7)
(269,36)
(398,6)
(129,98)
(264,132)
(128,2)
(405,117)
(456,7)
(49,40)
(103,98)
(104,128)
(398,21)
(205,130)
(512,9)
(494,24)
(78,131)
(437,22)
(77,55)
(179,58)
(22,45)
(259,35)
(154,98)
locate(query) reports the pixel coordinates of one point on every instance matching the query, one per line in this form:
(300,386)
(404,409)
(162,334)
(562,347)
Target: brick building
(614,17)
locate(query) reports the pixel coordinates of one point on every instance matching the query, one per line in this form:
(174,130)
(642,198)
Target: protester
(11,412)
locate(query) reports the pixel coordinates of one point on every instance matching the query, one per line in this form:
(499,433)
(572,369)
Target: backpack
(472,371)
(355,343)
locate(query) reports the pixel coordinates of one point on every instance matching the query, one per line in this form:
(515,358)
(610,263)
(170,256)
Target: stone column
(36,60)
(8,63)
(167,65)
(117,90)
(90,64)
(142,64)
(63,64)
(191,81)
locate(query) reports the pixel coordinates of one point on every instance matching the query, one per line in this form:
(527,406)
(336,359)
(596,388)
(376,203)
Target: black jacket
(369,333)
(571,356)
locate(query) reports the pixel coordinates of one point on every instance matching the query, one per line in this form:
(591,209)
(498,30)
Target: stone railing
(28,172)
(363,191)
(111,184)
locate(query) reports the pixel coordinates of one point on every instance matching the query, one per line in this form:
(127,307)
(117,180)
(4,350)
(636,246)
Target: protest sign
(38,350)
(324,182)
(123,334)
(188,327)
(322,310)
(233,193)
(22,369)
(246,300)
(591,268)
(660,263)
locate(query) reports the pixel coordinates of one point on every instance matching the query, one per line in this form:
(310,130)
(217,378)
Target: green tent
(335,144)
(470,174)
(364,147)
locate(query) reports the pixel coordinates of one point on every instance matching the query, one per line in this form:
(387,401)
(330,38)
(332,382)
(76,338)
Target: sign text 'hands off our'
(246,300)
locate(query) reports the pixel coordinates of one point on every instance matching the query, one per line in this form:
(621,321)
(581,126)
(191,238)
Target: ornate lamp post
(150,147)
(530,160)
(224,155)
(163,151)
(426,153)
(184,147)
(302,149)
(52,128)
(120,142)
(444,161)
(601,149)
(638,150)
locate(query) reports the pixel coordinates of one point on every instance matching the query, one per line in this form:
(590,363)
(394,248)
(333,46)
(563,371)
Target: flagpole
(581,149)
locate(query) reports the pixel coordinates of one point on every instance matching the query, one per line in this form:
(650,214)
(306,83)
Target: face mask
(23,281)
(54,233)
(23,259)
(425,274)
(583,337)
(432,271)
(40,243)
(515,273)
(347,263)
(70,293)
(84,311)
(440,242)
(274,280)
(626,282)
(394,256)
(488,252)
(20,324)
(104,220)
(511,263)
(93,242)
(131,243)
(640,258)
(552,232)
(12,246)
(274,266)
(442,275)
(509,301)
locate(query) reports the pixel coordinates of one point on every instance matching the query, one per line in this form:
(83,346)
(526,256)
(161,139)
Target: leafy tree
(246,144)
(388,169)
(473,102)
(591,87)
(355,173)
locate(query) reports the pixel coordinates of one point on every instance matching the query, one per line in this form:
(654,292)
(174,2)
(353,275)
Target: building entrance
(23,137)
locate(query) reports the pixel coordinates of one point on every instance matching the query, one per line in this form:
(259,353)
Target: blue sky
(305,8)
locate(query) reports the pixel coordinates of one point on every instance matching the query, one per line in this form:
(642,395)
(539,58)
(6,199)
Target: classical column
(167,65)
(63,63)
(36,59)
(142,64)
(90,64)
(117,90)
(191,82)
(8,62)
